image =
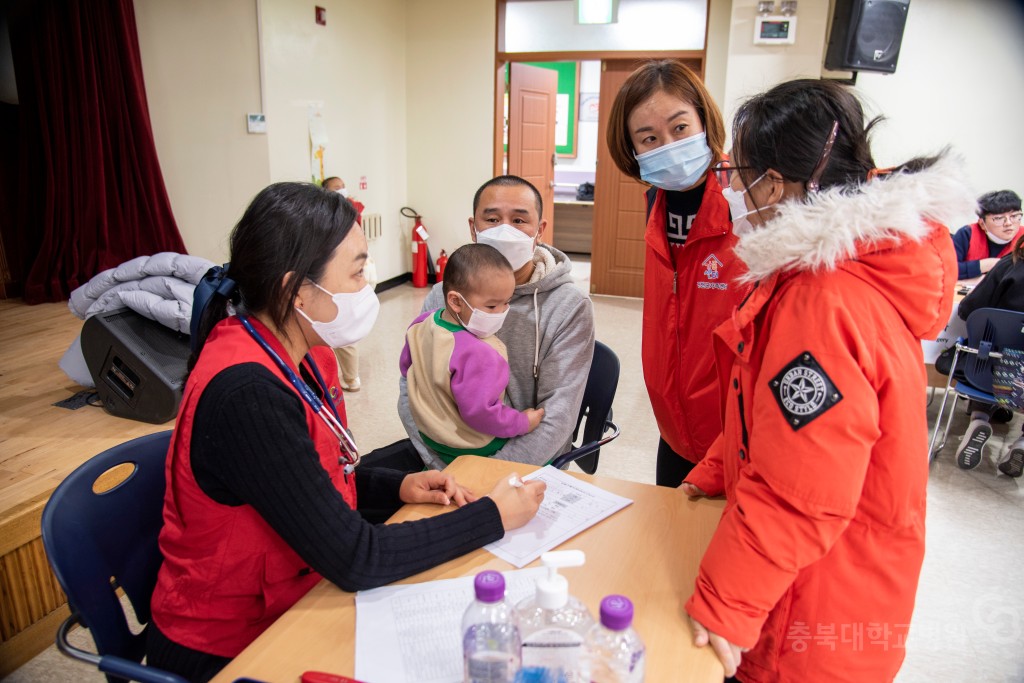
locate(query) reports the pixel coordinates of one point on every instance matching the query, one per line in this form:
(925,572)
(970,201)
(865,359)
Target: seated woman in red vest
(263,495)
(979,246)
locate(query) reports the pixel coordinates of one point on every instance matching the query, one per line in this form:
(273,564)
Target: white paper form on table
(413,633)
(570,506)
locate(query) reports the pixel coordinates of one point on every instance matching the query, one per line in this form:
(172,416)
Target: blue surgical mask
(677,165)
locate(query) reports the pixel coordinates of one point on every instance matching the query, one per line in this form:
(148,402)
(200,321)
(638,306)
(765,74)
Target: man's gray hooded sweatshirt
(549,333)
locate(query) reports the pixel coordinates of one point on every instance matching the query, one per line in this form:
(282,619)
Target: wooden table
(649,552)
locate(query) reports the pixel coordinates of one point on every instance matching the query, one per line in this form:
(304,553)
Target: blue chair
(598,395)
(104,540)
(989,330)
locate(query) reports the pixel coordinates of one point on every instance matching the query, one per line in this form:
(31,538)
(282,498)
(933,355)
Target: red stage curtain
(94,195)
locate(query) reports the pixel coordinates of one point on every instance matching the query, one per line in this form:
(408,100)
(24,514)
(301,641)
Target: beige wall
(408,86)
(959,81)
(355,67)
(716,58)
(753,68)
(199,60)
(450,118)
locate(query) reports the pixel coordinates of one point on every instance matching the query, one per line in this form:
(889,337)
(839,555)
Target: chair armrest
(116,666)
(562,461)
(133,671)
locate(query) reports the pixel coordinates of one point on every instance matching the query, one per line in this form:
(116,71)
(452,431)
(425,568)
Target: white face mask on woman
(515,245)
(357,312)
(481,323)
(738,208)
(677,165)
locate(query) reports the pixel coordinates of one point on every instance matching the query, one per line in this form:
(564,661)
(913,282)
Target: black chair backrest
(990,329)
(602,382)
(98,542)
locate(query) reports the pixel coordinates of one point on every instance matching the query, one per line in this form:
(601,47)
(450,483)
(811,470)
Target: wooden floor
(40,444)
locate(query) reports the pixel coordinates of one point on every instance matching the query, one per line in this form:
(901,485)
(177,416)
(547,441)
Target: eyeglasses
(1006,218)
(725,170)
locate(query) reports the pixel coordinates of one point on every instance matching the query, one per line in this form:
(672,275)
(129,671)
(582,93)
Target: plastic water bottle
(615,653)
(490,633)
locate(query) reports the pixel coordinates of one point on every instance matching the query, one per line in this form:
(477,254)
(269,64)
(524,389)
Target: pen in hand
(515,482)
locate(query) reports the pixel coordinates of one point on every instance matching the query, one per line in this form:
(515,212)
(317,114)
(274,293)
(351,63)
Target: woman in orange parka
(666,131)
(812,572)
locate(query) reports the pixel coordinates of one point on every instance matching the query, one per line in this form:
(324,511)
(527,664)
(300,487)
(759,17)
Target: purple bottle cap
(490,587)
(616,612)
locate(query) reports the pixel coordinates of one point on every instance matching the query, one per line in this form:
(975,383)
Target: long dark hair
(787,127)
(288,228)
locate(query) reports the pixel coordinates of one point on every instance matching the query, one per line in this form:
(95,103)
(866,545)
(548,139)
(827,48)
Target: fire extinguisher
(442,261)
(420,258)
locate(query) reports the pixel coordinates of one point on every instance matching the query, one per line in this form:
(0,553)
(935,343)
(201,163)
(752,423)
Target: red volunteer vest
(978,248)
(688,292)
(226,574)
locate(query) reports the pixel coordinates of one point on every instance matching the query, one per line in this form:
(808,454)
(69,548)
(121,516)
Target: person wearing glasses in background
(812,571)
(1003,287)
(666,131)
(979,246)
(264,494)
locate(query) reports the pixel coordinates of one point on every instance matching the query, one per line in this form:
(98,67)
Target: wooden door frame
(503,58)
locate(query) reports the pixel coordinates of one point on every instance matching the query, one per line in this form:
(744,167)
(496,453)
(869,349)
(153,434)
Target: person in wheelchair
(1003,287)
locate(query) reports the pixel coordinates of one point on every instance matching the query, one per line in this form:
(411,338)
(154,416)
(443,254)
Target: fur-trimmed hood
(836,226)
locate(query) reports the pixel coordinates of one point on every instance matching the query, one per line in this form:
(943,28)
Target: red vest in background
(978,248)
(226,574)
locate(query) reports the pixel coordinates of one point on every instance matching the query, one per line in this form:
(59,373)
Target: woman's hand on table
(728,653)
(517,500)
(433,486)
(691,490)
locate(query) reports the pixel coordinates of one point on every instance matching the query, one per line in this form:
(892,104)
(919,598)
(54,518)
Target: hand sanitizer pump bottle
(554,624)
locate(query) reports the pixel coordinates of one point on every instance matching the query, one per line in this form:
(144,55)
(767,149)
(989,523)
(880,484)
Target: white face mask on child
(482,324)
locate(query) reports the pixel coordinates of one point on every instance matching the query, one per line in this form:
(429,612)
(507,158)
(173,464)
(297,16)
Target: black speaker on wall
(866,35)
(138,365)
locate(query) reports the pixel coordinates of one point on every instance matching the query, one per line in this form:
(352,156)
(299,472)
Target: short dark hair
(995,203)
(323,183)
(288,228)
(676,79)
(466,263)
(510,181)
